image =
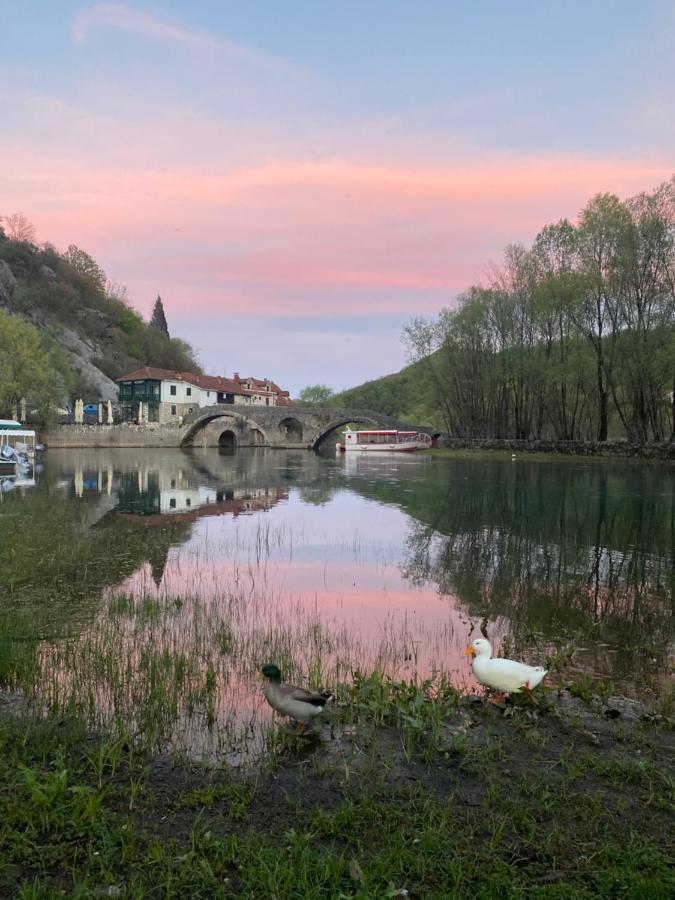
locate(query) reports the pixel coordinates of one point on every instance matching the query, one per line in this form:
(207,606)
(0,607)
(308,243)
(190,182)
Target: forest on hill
(66,331)
(572,338)
(408,395)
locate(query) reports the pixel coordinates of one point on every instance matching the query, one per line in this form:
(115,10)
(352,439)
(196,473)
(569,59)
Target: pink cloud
(369,237)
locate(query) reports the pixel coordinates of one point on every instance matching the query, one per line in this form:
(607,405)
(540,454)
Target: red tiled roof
(209,382)
(260,384)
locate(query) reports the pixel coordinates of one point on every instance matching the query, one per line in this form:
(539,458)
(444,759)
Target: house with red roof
(167,395)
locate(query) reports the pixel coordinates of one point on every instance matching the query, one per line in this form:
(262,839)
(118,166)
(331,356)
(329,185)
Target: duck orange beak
(469,651)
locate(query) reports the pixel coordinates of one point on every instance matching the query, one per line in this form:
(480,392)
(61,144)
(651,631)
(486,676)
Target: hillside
(408,395)
(88,332)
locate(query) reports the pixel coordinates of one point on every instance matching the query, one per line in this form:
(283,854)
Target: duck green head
(271,671)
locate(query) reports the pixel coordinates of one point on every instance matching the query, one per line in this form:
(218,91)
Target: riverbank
(557,449)
(401,794)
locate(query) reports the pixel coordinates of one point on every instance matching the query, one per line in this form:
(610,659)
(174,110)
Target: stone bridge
(297,427)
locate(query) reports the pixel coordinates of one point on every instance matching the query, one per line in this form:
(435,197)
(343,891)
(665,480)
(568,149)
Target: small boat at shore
(384,441)
(17,447)
(15,436)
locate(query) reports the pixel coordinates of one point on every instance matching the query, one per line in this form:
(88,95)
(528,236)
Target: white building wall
(181,395)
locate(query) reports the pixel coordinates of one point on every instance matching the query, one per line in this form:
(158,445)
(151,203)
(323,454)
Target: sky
(298,180)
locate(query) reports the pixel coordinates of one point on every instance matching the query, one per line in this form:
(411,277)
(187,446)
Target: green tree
(557,290)
(643,318)
(604,233)
(86,266)
(158,319)
(315,394)
(26,368)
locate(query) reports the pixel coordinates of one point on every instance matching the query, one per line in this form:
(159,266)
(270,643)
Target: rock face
(8,284)
(81,354)
(48,273)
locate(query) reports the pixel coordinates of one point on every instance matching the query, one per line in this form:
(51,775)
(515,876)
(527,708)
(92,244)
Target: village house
(167,395)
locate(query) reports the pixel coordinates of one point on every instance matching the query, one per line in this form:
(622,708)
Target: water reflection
(169,572)
(584,551)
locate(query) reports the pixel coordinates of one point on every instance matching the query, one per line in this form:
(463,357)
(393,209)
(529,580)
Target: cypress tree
(158,319)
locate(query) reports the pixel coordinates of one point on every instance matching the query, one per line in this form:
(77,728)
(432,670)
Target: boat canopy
(11,431)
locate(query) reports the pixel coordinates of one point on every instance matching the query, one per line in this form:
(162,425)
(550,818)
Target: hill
(88,332)
(408,395)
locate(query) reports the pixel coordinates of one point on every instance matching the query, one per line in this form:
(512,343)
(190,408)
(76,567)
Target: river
(145,588)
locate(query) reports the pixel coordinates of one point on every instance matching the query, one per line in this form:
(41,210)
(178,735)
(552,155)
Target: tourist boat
(381,441)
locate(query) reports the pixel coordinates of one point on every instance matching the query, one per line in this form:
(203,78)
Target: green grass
(411,788)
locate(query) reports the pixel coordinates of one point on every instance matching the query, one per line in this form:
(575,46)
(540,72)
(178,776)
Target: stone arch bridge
(296,427)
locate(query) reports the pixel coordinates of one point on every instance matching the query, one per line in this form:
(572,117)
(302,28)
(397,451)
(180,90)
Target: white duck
(503,675)
(297,703)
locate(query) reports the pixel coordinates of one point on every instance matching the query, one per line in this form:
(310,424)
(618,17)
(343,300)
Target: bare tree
(18,228)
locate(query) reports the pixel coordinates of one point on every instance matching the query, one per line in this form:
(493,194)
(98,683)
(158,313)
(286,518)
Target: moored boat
(16,437)
(387,441)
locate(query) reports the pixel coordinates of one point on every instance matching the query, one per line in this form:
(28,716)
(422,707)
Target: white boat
(385,441)
(14,435)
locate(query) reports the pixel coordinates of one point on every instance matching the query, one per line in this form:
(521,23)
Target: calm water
(158,581)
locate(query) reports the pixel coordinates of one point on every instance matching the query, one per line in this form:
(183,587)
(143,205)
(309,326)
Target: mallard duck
(300,704)
(506,676)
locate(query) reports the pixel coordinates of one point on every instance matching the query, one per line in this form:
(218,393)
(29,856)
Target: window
(208,393)
(172,503)
(173,390)
(173,483)
(189,392)
(173,410)
(188,502)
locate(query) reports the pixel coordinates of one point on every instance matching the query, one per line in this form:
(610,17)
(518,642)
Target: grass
(411,790)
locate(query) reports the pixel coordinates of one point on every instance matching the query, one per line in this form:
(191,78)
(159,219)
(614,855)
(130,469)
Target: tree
(645,315)
(158,319)
(557,289)
(86,266)
(25,367)
(315,394)
(18,228)
(604,231)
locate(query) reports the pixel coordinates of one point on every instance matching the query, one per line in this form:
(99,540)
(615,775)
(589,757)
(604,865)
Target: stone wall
(571,448)
(150,435)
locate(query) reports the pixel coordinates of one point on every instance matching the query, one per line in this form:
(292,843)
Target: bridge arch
(227,440)
(357,419)
(292,428)
(234,423)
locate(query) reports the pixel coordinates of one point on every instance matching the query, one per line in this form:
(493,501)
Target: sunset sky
(299,179)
